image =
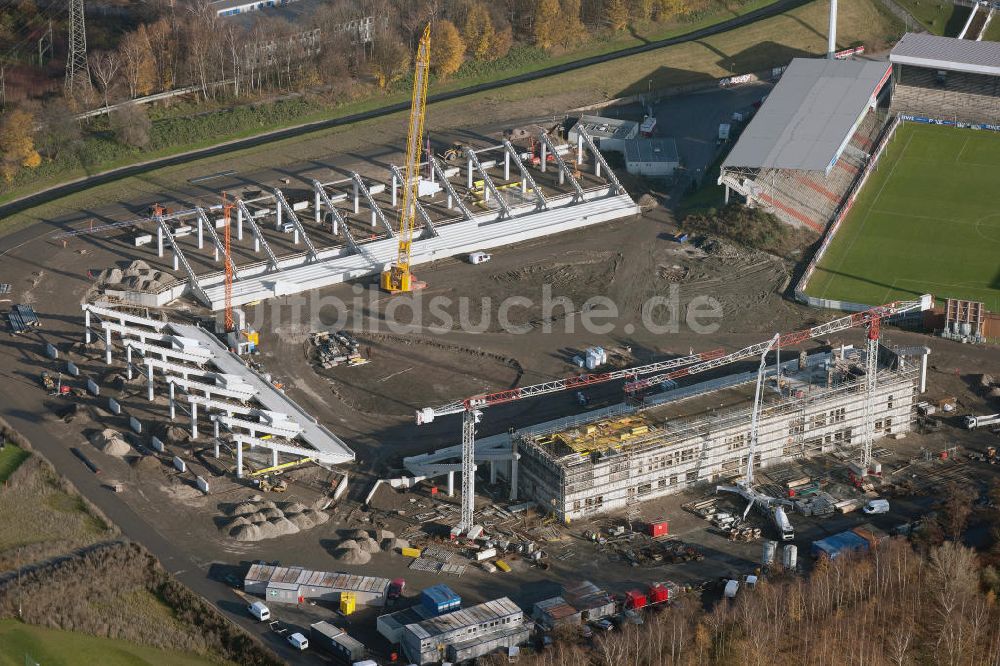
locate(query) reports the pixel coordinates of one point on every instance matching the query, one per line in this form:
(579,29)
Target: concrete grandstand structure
(808,142)
(612,459)
(947,79)
(345,229)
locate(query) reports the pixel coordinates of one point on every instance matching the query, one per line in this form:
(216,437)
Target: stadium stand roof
(948,53)
(808,117)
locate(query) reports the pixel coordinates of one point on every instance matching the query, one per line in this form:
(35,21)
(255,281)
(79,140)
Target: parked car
(479,257)
(298,641)
(876,506)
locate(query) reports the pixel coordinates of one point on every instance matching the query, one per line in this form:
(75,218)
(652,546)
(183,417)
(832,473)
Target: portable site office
(295,584)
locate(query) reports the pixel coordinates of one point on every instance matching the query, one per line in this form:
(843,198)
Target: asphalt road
(183,565)
(80,185)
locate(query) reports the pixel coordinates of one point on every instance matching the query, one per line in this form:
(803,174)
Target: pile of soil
(257,520)
(110,442)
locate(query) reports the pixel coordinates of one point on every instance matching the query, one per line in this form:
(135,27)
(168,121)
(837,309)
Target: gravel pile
(257,520)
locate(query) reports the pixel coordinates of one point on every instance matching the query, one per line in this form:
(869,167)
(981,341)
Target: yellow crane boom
(398,277)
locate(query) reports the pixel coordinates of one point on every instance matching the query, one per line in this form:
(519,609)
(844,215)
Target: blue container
(440,599)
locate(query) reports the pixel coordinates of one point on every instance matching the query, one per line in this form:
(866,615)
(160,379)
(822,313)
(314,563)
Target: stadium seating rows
(804,198)
(971,98)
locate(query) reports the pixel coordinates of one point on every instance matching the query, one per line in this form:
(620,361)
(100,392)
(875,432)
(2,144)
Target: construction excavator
(397,278)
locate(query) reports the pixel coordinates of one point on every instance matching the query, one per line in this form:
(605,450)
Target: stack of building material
(21,318)
(820,504)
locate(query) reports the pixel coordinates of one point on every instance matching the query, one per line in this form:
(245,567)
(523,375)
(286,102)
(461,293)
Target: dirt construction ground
(626,285)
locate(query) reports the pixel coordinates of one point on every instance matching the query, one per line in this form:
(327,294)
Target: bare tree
(104,67)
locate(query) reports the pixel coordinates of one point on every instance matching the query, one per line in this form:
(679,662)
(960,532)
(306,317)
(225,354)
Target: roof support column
(173,401)
(506,166)
(201,234)
(149,382)
(107,346)
(239,224)
(194,421)
(128,362)
(318,217)
(159,242)
(239,459)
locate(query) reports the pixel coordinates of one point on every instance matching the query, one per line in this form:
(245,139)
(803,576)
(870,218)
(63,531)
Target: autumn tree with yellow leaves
(447,49)
(17,144)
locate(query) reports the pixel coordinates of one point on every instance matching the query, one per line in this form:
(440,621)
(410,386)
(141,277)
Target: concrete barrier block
(202,484)
(114,406)
(51,351)
(71,369)
(179,464)
(136,424)
(93,387)
(156,444)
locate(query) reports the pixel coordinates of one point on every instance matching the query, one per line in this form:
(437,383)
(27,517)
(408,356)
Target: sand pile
(369,545)
(110,442)
(350,552)
(256,520)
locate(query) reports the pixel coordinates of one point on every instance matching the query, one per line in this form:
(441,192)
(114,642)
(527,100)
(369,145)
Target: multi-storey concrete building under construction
(621,456)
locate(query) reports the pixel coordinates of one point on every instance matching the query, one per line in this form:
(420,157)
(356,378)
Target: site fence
(831,231)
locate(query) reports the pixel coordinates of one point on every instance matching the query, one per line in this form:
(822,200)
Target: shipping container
(334,641)
(658,593)
(440,599)
(486,554)
(635,599)
(410,552)
(658,528)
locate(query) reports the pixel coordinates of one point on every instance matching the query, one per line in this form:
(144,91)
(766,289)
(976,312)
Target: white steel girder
(179,253)
(450,189)
(255,230)
(375,208)
(416,202)
(488,182)
(525,174)
(563,169)
(219,245)
(599,158)
(282,203)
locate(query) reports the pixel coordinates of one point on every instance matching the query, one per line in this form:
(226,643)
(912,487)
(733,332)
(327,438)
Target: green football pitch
(927,221)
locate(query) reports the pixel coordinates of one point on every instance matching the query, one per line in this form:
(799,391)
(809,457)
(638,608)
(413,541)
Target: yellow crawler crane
(398,279)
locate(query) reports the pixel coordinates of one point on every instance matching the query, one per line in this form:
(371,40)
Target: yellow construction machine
(398,278)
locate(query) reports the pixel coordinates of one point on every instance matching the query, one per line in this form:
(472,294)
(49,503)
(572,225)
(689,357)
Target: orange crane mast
(227,208)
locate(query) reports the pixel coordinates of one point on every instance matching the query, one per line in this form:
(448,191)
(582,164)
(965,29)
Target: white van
(259,611)
(298,641)
(876,506)
(479,257)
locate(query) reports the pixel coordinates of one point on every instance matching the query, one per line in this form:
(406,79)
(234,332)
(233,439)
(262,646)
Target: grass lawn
(940,17)
(22,644)
(10,459)
(927,221)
